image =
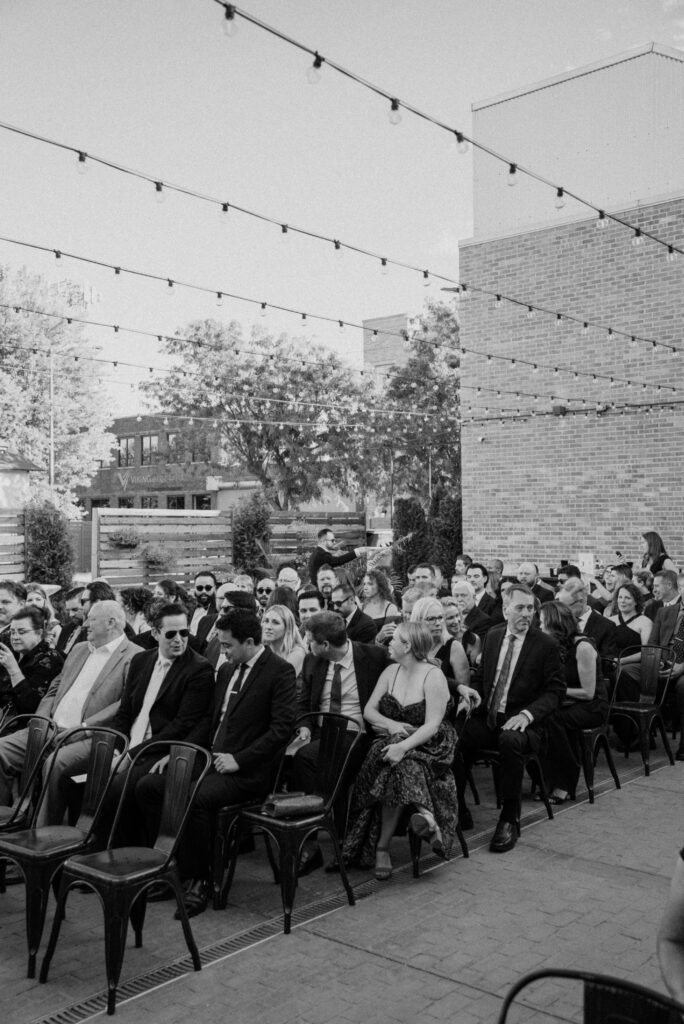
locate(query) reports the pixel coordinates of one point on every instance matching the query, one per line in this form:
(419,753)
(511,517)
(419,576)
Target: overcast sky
(156,86)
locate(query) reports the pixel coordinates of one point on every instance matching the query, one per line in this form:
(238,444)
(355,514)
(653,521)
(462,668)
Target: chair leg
(138,910)
(542,787)
(603,744)
(226,870)
(473,787)
(54,932)
(588,762)
(645,744)
(172,877)
(271,859)
(495,780)
(289,863)
(343,871)
(660,725)
(3,869)
(117,909)
(462,841)
(37,895)
(415,843)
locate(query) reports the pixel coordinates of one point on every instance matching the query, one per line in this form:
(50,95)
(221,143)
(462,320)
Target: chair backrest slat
(337,736)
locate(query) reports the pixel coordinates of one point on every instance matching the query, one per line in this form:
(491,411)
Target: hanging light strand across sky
(463,289)
(232,12)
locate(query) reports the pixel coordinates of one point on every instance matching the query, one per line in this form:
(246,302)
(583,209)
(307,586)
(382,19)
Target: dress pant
(679,713)
(216,790)
(561,761)
(513,746)
(12,754)
(70,760)
(303,775)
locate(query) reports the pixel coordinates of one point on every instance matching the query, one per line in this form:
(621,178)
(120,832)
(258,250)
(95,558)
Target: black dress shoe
(465,820)
(195,899)
(310,861)
(505,837)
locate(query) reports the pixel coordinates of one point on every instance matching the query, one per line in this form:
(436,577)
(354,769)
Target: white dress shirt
(141,729)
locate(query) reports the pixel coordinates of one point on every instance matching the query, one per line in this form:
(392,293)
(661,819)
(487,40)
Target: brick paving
(585,890)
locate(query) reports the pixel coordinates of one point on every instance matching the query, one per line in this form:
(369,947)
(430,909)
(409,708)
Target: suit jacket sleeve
(304,699)
(365,632)
(195,704)
(282,718)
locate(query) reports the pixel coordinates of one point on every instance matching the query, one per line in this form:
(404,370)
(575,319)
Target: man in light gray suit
(86,692)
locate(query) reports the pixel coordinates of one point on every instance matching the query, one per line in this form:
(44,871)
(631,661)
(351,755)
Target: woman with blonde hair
(408,766)
(446,650)
(38,598)
(279,632)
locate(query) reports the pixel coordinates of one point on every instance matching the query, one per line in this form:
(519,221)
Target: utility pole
(52,423)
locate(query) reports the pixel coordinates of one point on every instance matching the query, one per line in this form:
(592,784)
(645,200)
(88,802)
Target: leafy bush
(410,529)
(445,528)
(251,532)
(49,555)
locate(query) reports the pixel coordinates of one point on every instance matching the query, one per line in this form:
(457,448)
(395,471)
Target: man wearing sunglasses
(204,590)
(264,589)
(360,627)
(168,691)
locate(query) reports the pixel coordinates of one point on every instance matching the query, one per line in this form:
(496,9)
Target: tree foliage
(444,527)
(49,555)
(284,410)
(80,406)
(410,527)
(250,525)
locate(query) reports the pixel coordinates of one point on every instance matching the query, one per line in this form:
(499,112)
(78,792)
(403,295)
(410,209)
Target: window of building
(172,442)
(99,503)
(175,501)
(150,446)
(126,451)
(201,502)
(149,501)
(126,503)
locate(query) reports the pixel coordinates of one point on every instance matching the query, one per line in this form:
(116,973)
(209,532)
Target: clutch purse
(292,805)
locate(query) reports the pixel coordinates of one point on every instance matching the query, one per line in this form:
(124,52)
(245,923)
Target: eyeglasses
(21,632)
(264,590)
(432,619)
(204,586)
(171,633)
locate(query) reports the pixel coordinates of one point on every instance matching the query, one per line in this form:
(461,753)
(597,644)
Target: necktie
(222,729)
(678,642)
(141,724)
(336,690)
(498,691)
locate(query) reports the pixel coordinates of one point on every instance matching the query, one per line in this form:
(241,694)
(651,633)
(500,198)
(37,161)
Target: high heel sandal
(383,864)
(424,825)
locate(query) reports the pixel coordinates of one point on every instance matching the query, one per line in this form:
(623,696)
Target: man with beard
(326,581)
(204,590)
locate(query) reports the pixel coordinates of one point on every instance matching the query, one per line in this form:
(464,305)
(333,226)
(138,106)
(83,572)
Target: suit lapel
(79,660)
(254,672)
(108,667)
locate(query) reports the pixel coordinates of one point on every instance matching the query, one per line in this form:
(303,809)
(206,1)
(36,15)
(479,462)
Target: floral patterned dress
(423,777)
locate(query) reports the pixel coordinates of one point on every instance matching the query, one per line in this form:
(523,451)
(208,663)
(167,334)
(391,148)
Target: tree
(49,555)
(410,529)
(423,448)
(250,532)
(80,406)
(444,527)
(288,411)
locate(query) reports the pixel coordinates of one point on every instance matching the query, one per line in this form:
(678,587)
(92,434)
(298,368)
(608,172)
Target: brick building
(588,465)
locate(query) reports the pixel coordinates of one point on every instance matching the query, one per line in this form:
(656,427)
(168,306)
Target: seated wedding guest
(250,719)
(654,556)
(284,595)
(643,581)
(585,705)
(521,684)
(73,618)
(471,642)
(280,633)
(309,602)
(37,596)
(134,601)
(461,566)
(408,765)
(478,577)
(378,599)
(620,574)
(632,628)
(27,665)
(408,600)
(574,595)
(445,650)
(263,590)
(473,618)
(360,627)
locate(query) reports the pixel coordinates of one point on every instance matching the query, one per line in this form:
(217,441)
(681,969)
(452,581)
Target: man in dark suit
(528,574)
(601,630)
(473,619)
(328,553)
(665,621)
(360,627)
(167,693)
(68,633)
(521,683)
(251,721)
(337,675)
(478,576)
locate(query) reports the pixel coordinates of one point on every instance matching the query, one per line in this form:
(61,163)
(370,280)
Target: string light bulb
(560,199)
(384,269)
(426,279)
(530,312)
(263,309)
(82,166)
(394,112)
(601,221)
(159,192)
(313,75)
(512,175)
(169,287)
(462,144)
(671,254)
(230,25)
(497,302)
(219,299)
(338,246)
(559,319)
(284,232)
(637,237)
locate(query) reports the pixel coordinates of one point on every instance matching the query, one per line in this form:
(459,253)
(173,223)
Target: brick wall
(547,486)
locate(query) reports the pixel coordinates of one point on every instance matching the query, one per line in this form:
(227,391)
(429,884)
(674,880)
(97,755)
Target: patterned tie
(336,690)
(497,693)
(678,642)
(222,729)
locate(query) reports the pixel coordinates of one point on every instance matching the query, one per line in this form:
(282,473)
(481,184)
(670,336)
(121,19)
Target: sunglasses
(264,590)
(202,586)
(171,633)
(338,604)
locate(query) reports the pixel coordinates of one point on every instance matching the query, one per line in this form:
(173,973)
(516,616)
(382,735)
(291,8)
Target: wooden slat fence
(191,540)
(12,544)
(293,534)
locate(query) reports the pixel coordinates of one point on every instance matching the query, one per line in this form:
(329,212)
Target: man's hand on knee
(517,722)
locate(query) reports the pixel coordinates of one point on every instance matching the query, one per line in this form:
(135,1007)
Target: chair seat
(39,842)
(641,709)
(125,863)
(301,821)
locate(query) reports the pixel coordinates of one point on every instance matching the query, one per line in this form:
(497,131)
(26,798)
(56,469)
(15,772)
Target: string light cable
(561,192)
(464,290)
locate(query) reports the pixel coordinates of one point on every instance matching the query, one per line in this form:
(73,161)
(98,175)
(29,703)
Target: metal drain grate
(210,954)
